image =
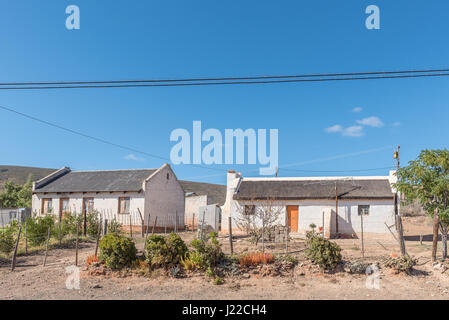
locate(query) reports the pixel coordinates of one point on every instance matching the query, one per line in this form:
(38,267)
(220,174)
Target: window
(88,205)
(47,205)
(364,210)
(249,210)
(123,205)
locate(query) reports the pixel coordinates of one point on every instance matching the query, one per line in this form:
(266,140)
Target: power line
(129,84)
(227,78)
(332,171)
(97,139)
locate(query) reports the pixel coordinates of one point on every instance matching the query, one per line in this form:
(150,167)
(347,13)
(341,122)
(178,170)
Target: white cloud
(357,109)
(336,128)
(353,131)
(396,124)
(132,157)
(371,122)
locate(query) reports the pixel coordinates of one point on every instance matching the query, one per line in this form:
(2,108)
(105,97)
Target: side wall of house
(164,199)
(105,203)
(192,207)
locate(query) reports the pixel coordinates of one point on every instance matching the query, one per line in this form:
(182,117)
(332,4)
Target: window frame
(49,205)
(361,211)
(120,199)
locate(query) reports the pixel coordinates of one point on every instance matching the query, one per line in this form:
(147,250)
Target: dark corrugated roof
(215,192)
(313,189)
(98,181)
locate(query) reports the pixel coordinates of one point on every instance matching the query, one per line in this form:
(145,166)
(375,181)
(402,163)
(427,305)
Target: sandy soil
(31,280)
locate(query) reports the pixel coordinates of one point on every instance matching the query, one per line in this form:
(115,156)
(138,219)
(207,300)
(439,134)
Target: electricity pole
(336,208)
(396,209)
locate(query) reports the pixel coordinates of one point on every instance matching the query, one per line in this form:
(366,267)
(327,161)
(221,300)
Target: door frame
(296,227)
(61,213)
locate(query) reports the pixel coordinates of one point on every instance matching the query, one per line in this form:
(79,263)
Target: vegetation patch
(322,252)
(403,264)
(252,259)
(117,251)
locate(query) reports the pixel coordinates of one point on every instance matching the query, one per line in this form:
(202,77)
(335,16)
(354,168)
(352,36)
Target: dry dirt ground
(31,280)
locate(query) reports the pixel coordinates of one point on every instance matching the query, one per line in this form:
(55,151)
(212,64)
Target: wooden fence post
(76,243)
(263,232)
(154,225)
(46,247)
(361,226)
(98,239)
(146,231)
(143,223)
(130,225)
(230,236)
(176,222)
(13,263)
(26,237)
(193,223)
(60,229)
(105,230)
(286,233)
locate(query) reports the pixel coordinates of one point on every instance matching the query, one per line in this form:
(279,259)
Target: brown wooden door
(292,212)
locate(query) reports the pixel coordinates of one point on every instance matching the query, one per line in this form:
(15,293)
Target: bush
(192,261)
(117,251)
(114,226)
(92,224)
(323,252)
(165,251)
(6,242)
(209,253)
(218,281)
(252,259)
(38,228)
(69,224)
(402,264)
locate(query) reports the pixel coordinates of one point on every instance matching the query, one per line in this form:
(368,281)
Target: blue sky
(182,39)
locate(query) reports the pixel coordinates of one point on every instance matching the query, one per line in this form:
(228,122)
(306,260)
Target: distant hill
(216,192)
(20,174)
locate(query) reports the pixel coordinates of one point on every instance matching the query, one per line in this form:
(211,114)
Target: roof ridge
(113,170)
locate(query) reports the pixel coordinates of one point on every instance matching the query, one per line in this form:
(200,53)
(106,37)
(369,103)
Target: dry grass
(251,259)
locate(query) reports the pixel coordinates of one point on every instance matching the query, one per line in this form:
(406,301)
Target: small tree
(262,216)
(427,180)
(15,196)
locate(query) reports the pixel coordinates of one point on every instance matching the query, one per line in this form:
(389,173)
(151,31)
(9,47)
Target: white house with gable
(126,195)
(303,201)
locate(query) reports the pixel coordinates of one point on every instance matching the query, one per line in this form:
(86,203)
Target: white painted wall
(105,203)
(164,198)
(192,207)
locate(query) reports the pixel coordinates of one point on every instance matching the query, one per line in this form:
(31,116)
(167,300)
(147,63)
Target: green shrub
(208,253)
(165,251)
(69,224)
(323,252)
(37,228)
(6,242)
(402,264)
(218,281)
(92,224)
(114,226)
(117,251)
